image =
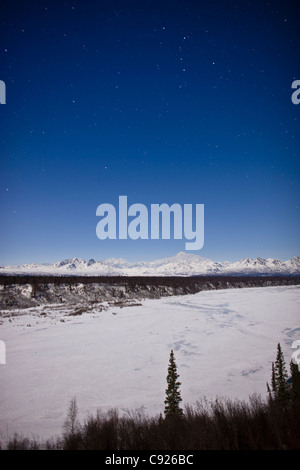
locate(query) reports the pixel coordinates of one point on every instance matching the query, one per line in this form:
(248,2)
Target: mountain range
(183,264)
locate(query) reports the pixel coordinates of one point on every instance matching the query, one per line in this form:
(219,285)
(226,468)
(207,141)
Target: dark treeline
(192,283)
(218,425)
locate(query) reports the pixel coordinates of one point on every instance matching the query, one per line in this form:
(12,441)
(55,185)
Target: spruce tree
(279,381)
(173,395)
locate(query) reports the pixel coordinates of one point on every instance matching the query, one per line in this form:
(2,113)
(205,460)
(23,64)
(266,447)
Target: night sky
(176,101)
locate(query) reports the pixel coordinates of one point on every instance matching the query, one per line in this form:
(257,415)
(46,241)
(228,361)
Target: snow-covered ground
(224,343)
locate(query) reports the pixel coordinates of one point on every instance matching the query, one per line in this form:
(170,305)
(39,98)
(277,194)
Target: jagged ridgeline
(182,264)
(30,291)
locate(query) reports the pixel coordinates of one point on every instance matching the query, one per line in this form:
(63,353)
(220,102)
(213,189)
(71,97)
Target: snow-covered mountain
(183,264)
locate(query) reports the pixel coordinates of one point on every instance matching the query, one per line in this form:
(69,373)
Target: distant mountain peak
(181,264)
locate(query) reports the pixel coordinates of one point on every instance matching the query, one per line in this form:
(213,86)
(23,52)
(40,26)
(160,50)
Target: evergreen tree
(173,395)
(280,387)
(273,381)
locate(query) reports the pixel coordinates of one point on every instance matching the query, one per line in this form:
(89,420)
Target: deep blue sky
(162,101)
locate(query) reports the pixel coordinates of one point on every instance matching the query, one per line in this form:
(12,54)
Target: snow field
(224,343)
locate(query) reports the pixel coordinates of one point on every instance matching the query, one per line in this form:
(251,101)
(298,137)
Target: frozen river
(224,343)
